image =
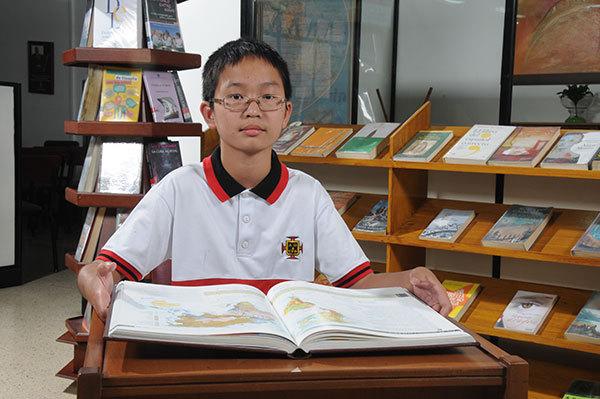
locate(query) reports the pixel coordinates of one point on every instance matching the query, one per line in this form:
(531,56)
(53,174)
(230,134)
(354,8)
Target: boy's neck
(248,170)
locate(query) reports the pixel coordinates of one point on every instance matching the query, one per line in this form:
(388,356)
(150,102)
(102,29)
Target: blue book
(589,243)
(375,221)
(586,326)
(518,228)
(448,225)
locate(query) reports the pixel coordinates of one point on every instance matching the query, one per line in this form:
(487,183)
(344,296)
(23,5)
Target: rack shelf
(127,201)
(497,293)
(138,57)
(355,213)
(137,129)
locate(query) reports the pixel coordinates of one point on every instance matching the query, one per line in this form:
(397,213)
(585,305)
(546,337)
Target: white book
(478,144)
(574,150)
(294,318)
(526,312)
(121,167)
(85,233)
(448,225)
(89,171)
(117,23)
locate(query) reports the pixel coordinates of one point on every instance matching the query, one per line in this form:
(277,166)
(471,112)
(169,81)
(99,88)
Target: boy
(242,216)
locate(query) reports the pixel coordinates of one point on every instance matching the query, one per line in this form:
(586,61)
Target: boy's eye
(268,97)
(235,97)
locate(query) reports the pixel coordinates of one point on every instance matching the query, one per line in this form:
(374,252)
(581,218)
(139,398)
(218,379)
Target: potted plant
(576,99)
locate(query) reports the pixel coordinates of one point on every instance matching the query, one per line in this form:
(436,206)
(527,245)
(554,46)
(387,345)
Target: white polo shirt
(215,231)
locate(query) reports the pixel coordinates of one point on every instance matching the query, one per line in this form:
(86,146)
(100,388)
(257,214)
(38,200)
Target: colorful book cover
(121,167)
(586,326)
(573,150)
(582,389)
(121,95)
(322,142)
(185,109)
(461,295)
(368,141)
(291,137)
(117,23)
(526,312)
(163,157)
(589,243)
(342,200)
(526,146)
(519,226)
(162,95)
(423,146)
(447,225)
(478,144)
(375,221)
(162,25)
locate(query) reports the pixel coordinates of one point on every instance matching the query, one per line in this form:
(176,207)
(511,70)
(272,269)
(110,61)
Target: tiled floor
(32,316)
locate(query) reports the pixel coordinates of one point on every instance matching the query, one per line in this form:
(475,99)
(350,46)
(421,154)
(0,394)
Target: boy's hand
(95,282)
(428,288)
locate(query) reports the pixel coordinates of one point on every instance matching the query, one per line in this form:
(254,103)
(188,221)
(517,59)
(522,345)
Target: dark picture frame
(40,67)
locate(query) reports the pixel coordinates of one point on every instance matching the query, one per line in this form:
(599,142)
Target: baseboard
(10,276)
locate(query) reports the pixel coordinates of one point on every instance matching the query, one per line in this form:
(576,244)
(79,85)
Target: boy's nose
(253,109)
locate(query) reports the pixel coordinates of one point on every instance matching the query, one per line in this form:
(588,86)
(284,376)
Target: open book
(294,318)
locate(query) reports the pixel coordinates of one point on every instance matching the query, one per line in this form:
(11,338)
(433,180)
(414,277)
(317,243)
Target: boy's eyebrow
(239,84)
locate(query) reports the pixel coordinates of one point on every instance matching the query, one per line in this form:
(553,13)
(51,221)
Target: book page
(175,311)
(308,308)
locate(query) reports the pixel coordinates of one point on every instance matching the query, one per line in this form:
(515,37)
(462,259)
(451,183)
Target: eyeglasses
(239,103)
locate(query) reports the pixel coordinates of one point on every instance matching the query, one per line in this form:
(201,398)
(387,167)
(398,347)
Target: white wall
(7,177)
(206,26)
(47,20)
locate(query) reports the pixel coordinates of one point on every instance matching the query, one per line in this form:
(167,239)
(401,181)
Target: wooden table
(135,370)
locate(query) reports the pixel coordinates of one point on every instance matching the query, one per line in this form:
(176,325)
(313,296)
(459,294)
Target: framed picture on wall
(317,39)
(556,42)
(40,67)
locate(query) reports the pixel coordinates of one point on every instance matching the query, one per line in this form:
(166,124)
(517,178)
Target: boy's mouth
(252,130)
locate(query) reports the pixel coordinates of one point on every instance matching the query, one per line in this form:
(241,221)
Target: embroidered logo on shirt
(292,247)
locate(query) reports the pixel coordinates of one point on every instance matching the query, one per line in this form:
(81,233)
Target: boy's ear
(208,113)
(288,113)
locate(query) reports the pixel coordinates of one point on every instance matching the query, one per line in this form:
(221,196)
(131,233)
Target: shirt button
(246,219)
(245,244)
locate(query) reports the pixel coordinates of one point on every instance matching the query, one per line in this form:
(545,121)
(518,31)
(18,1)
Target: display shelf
(68,371)
(497,293)
(355,213)
(137,129)
(66,338)
(566,226)
(125,57)
(127,201)
(437,163)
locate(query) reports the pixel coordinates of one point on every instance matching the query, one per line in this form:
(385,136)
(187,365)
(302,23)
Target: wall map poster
(316,39)
(557,37)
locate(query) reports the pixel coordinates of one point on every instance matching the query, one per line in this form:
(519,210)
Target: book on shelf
(424,146)
(296,318)
(448,225)
(368,142)
(518,227)
(121,167)
(526,146)
(574,150)
(596,161)
(86,29)
(583,389)
(478,144)
(162,25)
(342,200)
(589,243)
(163,157)
(461,295)
(121,95)
(85,233)
(375,221)
(185,108)
(162,95)
(90,97)
(117,24)
(89,171)
(526,312)
(586,326)
(322,142)
(94,235)
(291,137)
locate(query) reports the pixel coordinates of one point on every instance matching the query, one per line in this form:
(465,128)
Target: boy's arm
(420,281)
(95,282)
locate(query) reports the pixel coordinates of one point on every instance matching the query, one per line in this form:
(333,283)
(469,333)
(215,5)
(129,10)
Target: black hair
(235,51)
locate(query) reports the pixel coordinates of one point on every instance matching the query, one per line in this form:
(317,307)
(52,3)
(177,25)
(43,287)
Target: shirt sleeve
(338,256)
(144,240)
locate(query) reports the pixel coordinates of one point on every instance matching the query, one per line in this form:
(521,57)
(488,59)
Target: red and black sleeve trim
(124,267)
(354,275)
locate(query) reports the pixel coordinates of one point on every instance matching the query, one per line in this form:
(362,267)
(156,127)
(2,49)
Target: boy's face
(250,131)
